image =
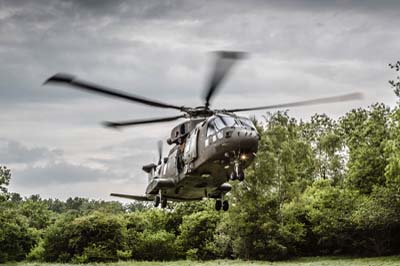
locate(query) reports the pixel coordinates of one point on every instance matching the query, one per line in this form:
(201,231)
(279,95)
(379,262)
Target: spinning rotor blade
(341,98)
(159,146)
(70,80)
(223,64)
(140,122)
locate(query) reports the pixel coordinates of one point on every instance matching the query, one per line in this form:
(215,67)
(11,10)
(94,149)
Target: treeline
(323,187)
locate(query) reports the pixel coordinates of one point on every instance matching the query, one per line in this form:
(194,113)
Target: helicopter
(209,149)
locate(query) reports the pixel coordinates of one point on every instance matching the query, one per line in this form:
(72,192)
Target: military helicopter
(209,149)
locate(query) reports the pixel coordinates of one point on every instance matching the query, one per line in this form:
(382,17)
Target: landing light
(243,157)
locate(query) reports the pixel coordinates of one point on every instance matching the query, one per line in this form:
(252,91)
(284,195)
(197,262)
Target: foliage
(395,83)
(16,238)
(197,235)
(5,176)
(367,133)
(94,237)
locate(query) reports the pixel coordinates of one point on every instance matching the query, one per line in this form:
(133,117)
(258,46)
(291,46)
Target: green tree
(395,83)
(16,239)
(197,235)
(36,211)
(325,138)
(327,210)
(94,237)
(5,176)
(392,153)
(283,168)
(377,222)
(366,133)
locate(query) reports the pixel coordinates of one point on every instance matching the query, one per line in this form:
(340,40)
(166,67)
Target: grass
(311,261)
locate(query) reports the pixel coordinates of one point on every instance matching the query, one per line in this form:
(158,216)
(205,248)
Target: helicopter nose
(242,139)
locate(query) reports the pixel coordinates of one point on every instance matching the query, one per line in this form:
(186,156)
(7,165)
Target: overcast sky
(50,136)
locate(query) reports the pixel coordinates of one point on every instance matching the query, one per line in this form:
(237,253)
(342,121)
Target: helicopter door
(191,146)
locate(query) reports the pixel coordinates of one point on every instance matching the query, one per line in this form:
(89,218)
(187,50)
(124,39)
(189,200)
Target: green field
(314,261)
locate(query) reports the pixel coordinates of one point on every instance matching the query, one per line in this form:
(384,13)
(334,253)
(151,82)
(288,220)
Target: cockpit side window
(211,130)
(228,121)
(219,124)
(247,123)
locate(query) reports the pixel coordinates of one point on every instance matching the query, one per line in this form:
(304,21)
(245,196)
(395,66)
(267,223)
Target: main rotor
(224,61)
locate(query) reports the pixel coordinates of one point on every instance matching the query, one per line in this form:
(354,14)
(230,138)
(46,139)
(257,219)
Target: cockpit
(220,122)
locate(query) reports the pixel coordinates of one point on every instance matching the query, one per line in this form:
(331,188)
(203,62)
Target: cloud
(12,152)
(58,173)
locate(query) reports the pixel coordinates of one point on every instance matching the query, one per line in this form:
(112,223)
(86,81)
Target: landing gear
(233,176)
(157,201)
(240,175)
(163,202)
(237,172)
(219,204)
(225,205)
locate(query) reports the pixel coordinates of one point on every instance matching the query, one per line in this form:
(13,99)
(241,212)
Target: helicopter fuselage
(204,158)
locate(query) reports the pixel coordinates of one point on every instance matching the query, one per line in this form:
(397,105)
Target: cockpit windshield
(222,121)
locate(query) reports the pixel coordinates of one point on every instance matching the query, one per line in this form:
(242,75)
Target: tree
(395,83)
(327,210)
(325,138)
(94,237)
(283,168)
(197,234)
(366,133)
(36,211)
(5,176)
(16,239)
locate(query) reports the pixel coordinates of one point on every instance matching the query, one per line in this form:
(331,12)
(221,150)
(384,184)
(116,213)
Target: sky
(51,137)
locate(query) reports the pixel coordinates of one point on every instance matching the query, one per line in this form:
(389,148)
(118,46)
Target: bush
(16,239)
(94,237)
(197,235)
(153,245)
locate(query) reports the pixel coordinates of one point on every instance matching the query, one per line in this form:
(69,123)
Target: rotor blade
(159,146)
(223,64)
(140,122)
(341,98)
(70,80)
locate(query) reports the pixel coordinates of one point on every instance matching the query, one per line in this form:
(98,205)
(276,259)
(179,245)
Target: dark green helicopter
(209,149)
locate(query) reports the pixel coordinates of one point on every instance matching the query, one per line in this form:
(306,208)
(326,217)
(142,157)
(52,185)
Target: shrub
(16,239)
(94,237)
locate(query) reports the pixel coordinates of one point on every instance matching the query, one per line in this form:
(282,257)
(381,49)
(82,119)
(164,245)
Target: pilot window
(247,123)
(218,123)
(211,130)
(228,121)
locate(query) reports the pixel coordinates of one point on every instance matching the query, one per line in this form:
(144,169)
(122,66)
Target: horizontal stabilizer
(134,197)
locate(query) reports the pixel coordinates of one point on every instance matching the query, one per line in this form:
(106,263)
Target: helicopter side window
(228,121)
(218,123)
(211,130)
(247,123)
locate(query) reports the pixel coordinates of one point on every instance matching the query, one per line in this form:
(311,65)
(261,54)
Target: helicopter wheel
(156,201)
(225,205)
(240,176)
(218,205)
(163,202)
(233,175)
